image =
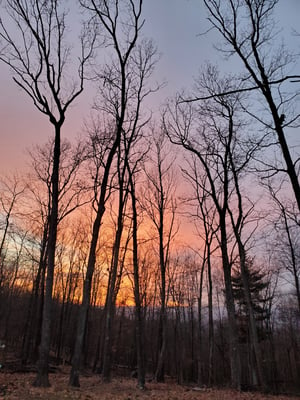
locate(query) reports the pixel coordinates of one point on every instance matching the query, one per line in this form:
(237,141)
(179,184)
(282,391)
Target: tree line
(93,272)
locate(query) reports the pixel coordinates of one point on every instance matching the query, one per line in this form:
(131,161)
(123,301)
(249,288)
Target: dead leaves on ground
(17,386)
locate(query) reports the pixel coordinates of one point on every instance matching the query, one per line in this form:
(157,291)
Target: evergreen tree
(258,285)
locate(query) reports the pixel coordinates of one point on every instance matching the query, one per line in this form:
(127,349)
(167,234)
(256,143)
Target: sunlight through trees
(155,246)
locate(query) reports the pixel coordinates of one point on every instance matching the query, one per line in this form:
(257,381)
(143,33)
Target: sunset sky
(176,27)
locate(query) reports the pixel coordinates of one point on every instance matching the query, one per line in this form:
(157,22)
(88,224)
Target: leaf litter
(18,386)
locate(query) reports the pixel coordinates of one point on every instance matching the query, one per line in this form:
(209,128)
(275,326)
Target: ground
(18,386)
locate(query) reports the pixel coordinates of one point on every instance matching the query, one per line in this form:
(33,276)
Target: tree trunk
(82,317)
(111,295)
(200,355)
(139,322)
(29,337)
(293,256)
(159,373)
(234,353)
(210,323)
(42,378)
(253,329)
(290,166)
(83,311)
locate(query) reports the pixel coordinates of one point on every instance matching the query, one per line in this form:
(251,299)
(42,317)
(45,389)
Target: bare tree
(139,320)
(16,264)
(120,99)
(71,195)
(142,62)
(247,28)
(211,143)
(287,244)
(159,202)
(111,144)
(238,220)
(204,218)
(116,266)
(225,156)
(13,240)
(38,58)
(11,188)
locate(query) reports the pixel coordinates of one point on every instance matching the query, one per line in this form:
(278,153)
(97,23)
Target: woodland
(156,248)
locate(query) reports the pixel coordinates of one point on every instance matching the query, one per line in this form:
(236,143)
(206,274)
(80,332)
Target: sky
(175,26)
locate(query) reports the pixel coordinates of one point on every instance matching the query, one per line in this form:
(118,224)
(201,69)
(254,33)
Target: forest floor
(18,386)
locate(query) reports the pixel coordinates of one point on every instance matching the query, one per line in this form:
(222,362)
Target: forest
(153,247)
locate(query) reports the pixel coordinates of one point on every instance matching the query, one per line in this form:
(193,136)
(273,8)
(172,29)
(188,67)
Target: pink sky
(174,26)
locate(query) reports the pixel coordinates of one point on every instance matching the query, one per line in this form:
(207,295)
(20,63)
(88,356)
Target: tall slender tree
(38,58)
(159,202)
(286,226)
(205,213)
(247,28)
(11,189)
(121,93)
(139,320)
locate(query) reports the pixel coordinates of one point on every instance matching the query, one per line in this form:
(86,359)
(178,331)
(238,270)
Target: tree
(159,202)
(139,318)
(71,195)
(121,94)
(141,66)
(225,155)
(14,240)
(238,161)
(111,144)
(116,266)
(258,285)
(11,188)
(287,227)
(247,28)
(39,58)
(205,213)
(214,143)
(255,293)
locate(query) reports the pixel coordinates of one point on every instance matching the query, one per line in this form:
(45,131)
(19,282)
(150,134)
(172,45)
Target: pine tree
(258,285)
